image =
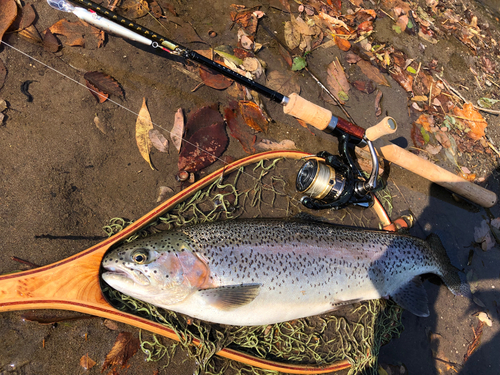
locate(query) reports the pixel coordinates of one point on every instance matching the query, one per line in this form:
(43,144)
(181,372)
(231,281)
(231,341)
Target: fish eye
(140,256)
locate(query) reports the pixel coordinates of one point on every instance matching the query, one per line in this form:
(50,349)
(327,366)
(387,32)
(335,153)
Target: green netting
(354,333)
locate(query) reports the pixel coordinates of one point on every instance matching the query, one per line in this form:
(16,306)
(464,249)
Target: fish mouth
(125,273)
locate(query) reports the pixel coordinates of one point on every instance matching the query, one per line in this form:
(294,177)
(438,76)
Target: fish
(250,272)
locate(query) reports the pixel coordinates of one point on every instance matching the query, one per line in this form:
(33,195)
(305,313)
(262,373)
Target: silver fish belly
(254,272)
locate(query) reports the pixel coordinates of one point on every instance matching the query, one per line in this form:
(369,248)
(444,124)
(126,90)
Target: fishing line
(137,114)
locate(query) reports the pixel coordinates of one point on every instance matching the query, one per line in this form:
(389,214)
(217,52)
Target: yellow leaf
(142,128)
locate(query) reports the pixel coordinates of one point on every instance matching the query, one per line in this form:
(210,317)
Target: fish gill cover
(354,333)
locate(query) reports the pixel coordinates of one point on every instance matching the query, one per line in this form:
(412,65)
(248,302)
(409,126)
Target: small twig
(387,14)
(25,262)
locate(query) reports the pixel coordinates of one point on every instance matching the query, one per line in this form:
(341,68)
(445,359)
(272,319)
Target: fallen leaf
(483,236)
(86,362)
(253,116)
(99,95)
(378,98)
(402,77)
(420,98)
(472,119)
(8,13)
(292,35)
(3,73)
(50,42)
(365,86)
(337,81)
(269,145)
(373,73)
(246,19)
(433,150)
(285,54)
(427,121)
(213,79)
(142,128)
(163,192)
(73,32)
(105,83)
(299,63)
(125,347)
(31,34)
(286,4)
(416,136)
(238,130)
(133,8)
(100,125)
(205,140)
(110,324)
(402,22)
(25,18)
(282,82)
(158,140)
(177,131)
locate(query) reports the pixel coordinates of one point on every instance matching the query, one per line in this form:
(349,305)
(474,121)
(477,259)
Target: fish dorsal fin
(412,297)
(230,296)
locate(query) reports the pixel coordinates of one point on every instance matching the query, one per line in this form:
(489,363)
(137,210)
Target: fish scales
(252,272)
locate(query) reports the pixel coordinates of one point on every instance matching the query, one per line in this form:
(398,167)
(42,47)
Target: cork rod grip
(307,111)
(436,174)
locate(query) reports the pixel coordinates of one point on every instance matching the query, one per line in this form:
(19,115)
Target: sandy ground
(61,176)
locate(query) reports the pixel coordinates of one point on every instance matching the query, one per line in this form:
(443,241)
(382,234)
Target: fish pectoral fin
(230,296)
(412,297)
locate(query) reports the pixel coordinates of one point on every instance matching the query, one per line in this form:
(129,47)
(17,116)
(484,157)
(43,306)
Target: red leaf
(206,140)
(213,79)
(8,13)
(237,130)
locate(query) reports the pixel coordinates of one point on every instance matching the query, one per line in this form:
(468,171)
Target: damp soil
(62,178)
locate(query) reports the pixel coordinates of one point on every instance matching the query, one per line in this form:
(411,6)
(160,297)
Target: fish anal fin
(230,296)
(412,297)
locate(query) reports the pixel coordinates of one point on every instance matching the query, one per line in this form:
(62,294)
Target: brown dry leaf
(253,116)
(443,139)
(31,34)
(342,43)
(99,95)
(472,119)
(365,86)
(111,324)
(337,81)
(292,35)
(142,128)
(163,193)
(402,22)
(133,8)
(246,19)
(402,77)
(3,73)
(86,362)
(283,83)
(213,79)
(269,145)
(373,73)
(285,54)
(158,140)
(178,129)
(25,18)
(73,31)
(125,347)
(105,83)
(50,42)
(286,4)
(8,13)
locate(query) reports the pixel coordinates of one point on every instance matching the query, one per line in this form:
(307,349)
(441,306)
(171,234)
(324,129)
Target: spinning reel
(331,181)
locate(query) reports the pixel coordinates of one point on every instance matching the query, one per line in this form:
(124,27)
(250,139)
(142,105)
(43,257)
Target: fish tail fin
(452,277)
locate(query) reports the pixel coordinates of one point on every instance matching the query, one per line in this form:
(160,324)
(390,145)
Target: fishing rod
(329,181)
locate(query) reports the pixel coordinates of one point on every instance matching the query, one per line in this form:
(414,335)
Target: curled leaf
(472,119)
(158,140)
(142,128)
(105,83)
(86,362)
(178,129)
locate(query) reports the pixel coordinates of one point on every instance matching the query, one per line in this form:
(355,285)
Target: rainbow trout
(255,272)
